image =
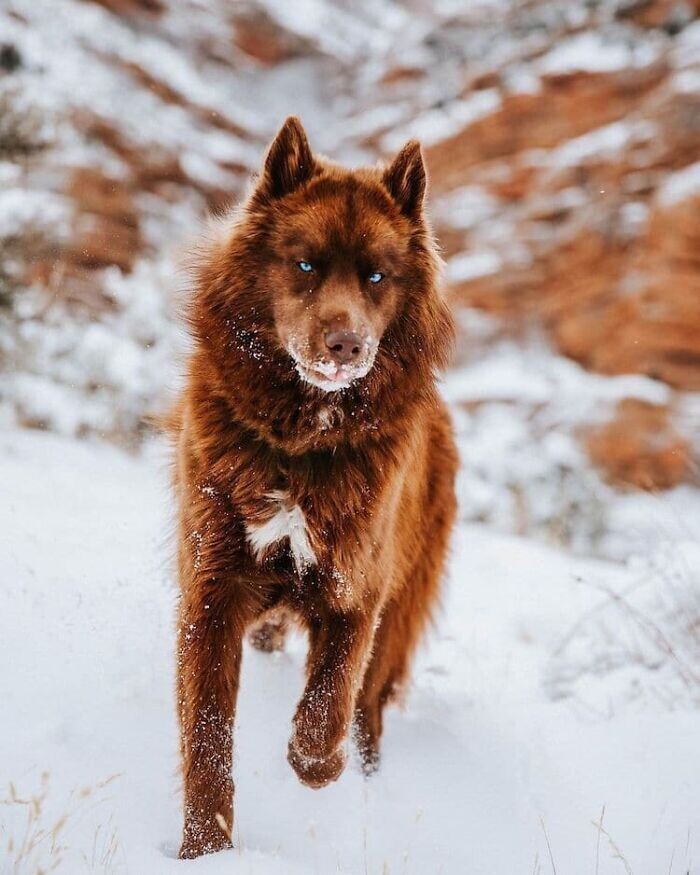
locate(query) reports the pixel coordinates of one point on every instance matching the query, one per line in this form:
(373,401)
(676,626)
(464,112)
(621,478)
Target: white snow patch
(471,265)
(686,47)
(531,373)
(680,185)
(22,210)
(686,82)
(466,207)
(607,140)
(438,124)
(590,51)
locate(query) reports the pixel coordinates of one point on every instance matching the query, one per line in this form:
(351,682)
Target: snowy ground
(482,769)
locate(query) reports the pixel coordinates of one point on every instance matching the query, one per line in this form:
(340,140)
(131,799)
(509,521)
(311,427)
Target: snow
(685,52)
(478,766)
(465,207)
(602,142)
(470,265)
(681,185)
(530,372)
(520,411)
(78,376)
(686,81)
(592,52)
(440,123)
(337,31)
(38,210)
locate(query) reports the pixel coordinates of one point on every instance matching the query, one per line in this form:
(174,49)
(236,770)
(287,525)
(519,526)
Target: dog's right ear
(289,162)
(405,179)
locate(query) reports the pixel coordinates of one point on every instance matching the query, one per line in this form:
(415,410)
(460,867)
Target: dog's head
(324,289)
(338,260)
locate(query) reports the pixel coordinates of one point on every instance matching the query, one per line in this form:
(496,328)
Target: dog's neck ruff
(287,522)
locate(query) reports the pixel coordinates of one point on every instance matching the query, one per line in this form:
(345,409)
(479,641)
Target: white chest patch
(325,418)
(329,417)
(288,521)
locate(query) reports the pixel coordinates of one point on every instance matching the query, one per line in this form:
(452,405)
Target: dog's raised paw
(316,772)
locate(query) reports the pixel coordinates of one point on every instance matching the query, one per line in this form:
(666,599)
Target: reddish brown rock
(257,35)
(639,447)
(106,227)
(153,168)
(566,106)
(658,13)
(132,7)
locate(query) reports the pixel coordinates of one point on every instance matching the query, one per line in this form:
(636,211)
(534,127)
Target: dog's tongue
(332,372)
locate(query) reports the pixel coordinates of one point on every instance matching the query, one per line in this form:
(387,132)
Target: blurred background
(562,139)
(562,144)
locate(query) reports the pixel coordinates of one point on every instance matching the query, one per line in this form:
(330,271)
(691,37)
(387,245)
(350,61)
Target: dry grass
(646,634)
(105,848)
(34,841)
(614,851)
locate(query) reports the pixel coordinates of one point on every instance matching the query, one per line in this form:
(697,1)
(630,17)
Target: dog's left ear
(289,162)
(406,180)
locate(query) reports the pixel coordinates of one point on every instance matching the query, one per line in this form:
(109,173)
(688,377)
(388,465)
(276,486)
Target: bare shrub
(24,127)
(640,644)
(18,251)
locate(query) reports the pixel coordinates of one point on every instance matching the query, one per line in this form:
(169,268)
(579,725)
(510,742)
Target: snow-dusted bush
(640,646)
(77,375)
(73,369)
(522,475)
(518,409)
(25,128)
(25,131)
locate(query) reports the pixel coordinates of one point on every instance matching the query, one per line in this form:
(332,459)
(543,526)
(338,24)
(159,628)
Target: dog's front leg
(340,644)
(209,656)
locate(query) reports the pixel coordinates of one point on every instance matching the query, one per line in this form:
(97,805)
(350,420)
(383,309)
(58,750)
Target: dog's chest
(284,522)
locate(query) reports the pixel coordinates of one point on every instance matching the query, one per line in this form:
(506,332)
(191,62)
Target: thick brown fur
(369,468)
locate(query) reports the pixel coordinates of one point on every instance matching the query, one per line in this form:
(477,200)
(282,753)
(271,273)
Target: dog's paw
(366,738)
(314,771)
(199,840)
(268,638)
(369,760)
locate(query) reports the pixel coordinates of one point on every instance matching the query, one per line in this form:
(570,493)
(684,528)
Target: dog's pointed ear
(405,179)
(289,161)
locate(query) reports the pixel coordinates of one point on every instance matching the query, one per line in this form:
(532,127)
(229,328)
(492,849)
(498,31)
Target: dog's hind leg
(409,610)
(403,621)
(270,633)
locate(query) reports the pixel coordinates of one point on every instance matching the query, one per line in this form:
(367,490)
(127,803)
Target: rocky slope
(566,186)
(562,141)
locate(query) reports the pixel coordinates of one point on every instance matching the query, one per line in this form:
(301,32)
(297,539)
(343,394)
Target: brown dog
(315,461)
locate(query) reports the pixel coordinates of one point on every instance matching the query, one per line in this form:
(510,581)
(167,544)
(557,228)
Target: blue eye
(376,277)
(305,266)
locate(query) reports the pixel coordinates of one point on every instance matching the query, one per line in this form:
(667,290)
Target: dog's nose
(344,346)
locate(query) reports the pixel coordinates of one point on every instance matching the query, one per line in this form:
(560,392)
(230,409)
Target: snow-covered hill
(482,771)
